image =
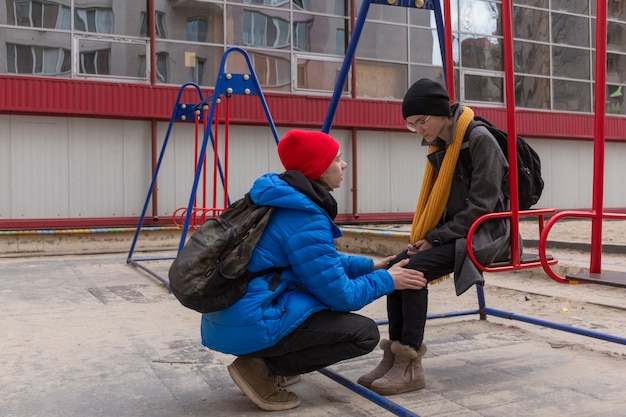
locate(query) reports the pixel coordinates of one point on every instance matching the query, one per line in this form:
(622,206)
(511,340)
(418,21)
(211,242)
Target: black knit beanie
(426,97)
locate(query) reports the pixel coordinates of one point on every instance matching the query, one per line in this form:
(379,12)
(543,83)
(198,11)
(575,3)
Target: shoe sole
(254,397)
(396,391)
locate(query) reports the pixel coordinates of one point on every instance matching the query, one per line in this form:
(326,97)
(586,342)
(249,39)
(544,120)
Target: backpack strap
(464,155)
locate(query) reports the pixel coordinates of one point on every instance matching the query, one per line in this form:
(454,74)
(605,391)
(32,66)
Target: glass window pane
(571,96)
(615,68)
(375,42)
(423,71)
(317,75)
(616,37)
(320,34)
(25,50)
(424,46)
(384,13)
(614,99)
(570,30)
(571,63)
(185,59)
(571,6)
(531,24)
(616,10)
(532,58)
(110,57)
(272,70)
(480,17)
(534,3)
(207,20)
(423,17)
(482,53)
(381,80)
(483,88)
(122,19)
(532,92)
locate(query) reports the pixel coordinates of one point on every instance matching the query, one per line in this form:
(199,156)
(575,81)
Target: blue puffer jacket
(300,235)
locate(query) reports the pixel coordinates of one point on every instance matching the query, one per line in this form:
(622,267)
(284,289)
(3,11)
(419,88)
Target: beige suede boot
(253,378)
(406,374)
(383,367)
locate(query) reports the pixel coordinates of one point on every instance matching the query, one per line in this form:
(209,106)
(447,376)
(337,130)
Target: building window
(198,70)
(38,14)
(95,62)
(94,20)
(159,25)
(37,60)
(264,31)
(271,71)
(161,66)
(196,29)
(302,36)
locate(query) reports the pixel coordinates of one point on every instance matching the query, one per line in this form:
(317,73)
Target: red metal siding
(62,97)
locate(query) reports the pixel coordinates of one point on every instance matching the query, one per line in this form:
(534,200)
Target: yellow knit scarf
(436,188)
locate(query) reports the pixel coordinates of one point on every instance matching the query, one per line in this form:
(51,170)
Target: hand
(406,279)
(384,263)
(419,246)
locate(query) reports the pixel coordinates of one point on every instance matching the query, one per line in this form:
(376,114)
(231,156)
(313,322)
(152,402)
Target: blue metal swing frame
(227,85)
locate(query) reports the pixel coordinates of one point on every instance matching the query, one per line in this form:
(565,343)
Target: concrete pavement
(91,335)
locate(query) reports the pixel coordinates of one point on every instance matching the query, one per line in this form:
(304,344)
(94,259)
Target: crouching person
(302,321)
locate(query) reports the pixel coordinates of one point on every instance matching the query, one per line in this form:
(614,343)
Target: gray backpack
(211,272)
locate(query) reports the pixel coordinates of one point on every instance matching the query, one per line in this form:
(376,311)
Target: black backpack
(211,272)
(529,181)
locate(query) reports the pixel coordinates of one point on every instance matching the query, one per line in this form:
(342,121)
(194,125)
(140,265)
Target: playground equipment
(229,84)
(444,30)
(203,112)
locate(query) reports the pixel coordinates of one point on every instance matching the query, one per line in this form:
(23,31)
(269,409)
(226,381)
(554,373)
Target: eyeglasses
(419,124)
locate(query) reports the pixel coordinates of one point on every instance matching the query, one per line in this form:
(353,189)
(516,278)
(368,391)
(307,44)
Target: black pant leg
(407,309)
(325,338)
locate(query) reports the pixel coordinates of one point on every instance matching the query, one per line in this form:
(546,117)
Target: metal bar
(369,395)
(509,81)
(595,265)
(158,164)
(345,66)
(150,272)
(557,326)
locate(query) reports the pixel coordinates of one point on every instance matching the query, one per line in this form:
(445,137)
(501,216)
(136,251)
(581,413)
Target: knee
(370,335)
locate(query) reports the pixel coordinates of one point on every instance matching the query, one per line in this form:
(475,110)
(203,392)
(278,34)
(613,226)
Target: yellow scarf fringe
(436,188)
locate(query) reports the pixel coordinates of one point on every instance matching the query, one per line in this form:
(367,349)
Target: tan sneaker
(253,379)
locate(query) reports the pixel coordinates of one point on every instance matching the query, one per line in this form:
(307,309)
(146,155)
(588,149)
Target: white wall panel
(80,168)
(137,166)
(39,167)
(614,178)
(175,178)
(5,167)
(391,168)
(344,193)
(96,166)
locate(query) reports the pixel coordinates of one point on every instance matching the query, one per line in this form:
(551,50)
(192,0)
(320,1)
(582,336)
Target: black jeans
(407,309)
(325,338)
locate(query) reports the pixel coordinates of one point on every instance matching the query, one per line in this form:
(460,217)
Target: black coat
(475,191)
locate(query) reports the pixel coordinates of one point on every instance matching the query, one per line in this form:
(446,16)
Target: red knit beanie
(311,153)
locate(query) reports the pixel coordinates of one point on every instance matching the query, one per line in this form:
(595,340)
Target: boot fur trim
(407,351)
